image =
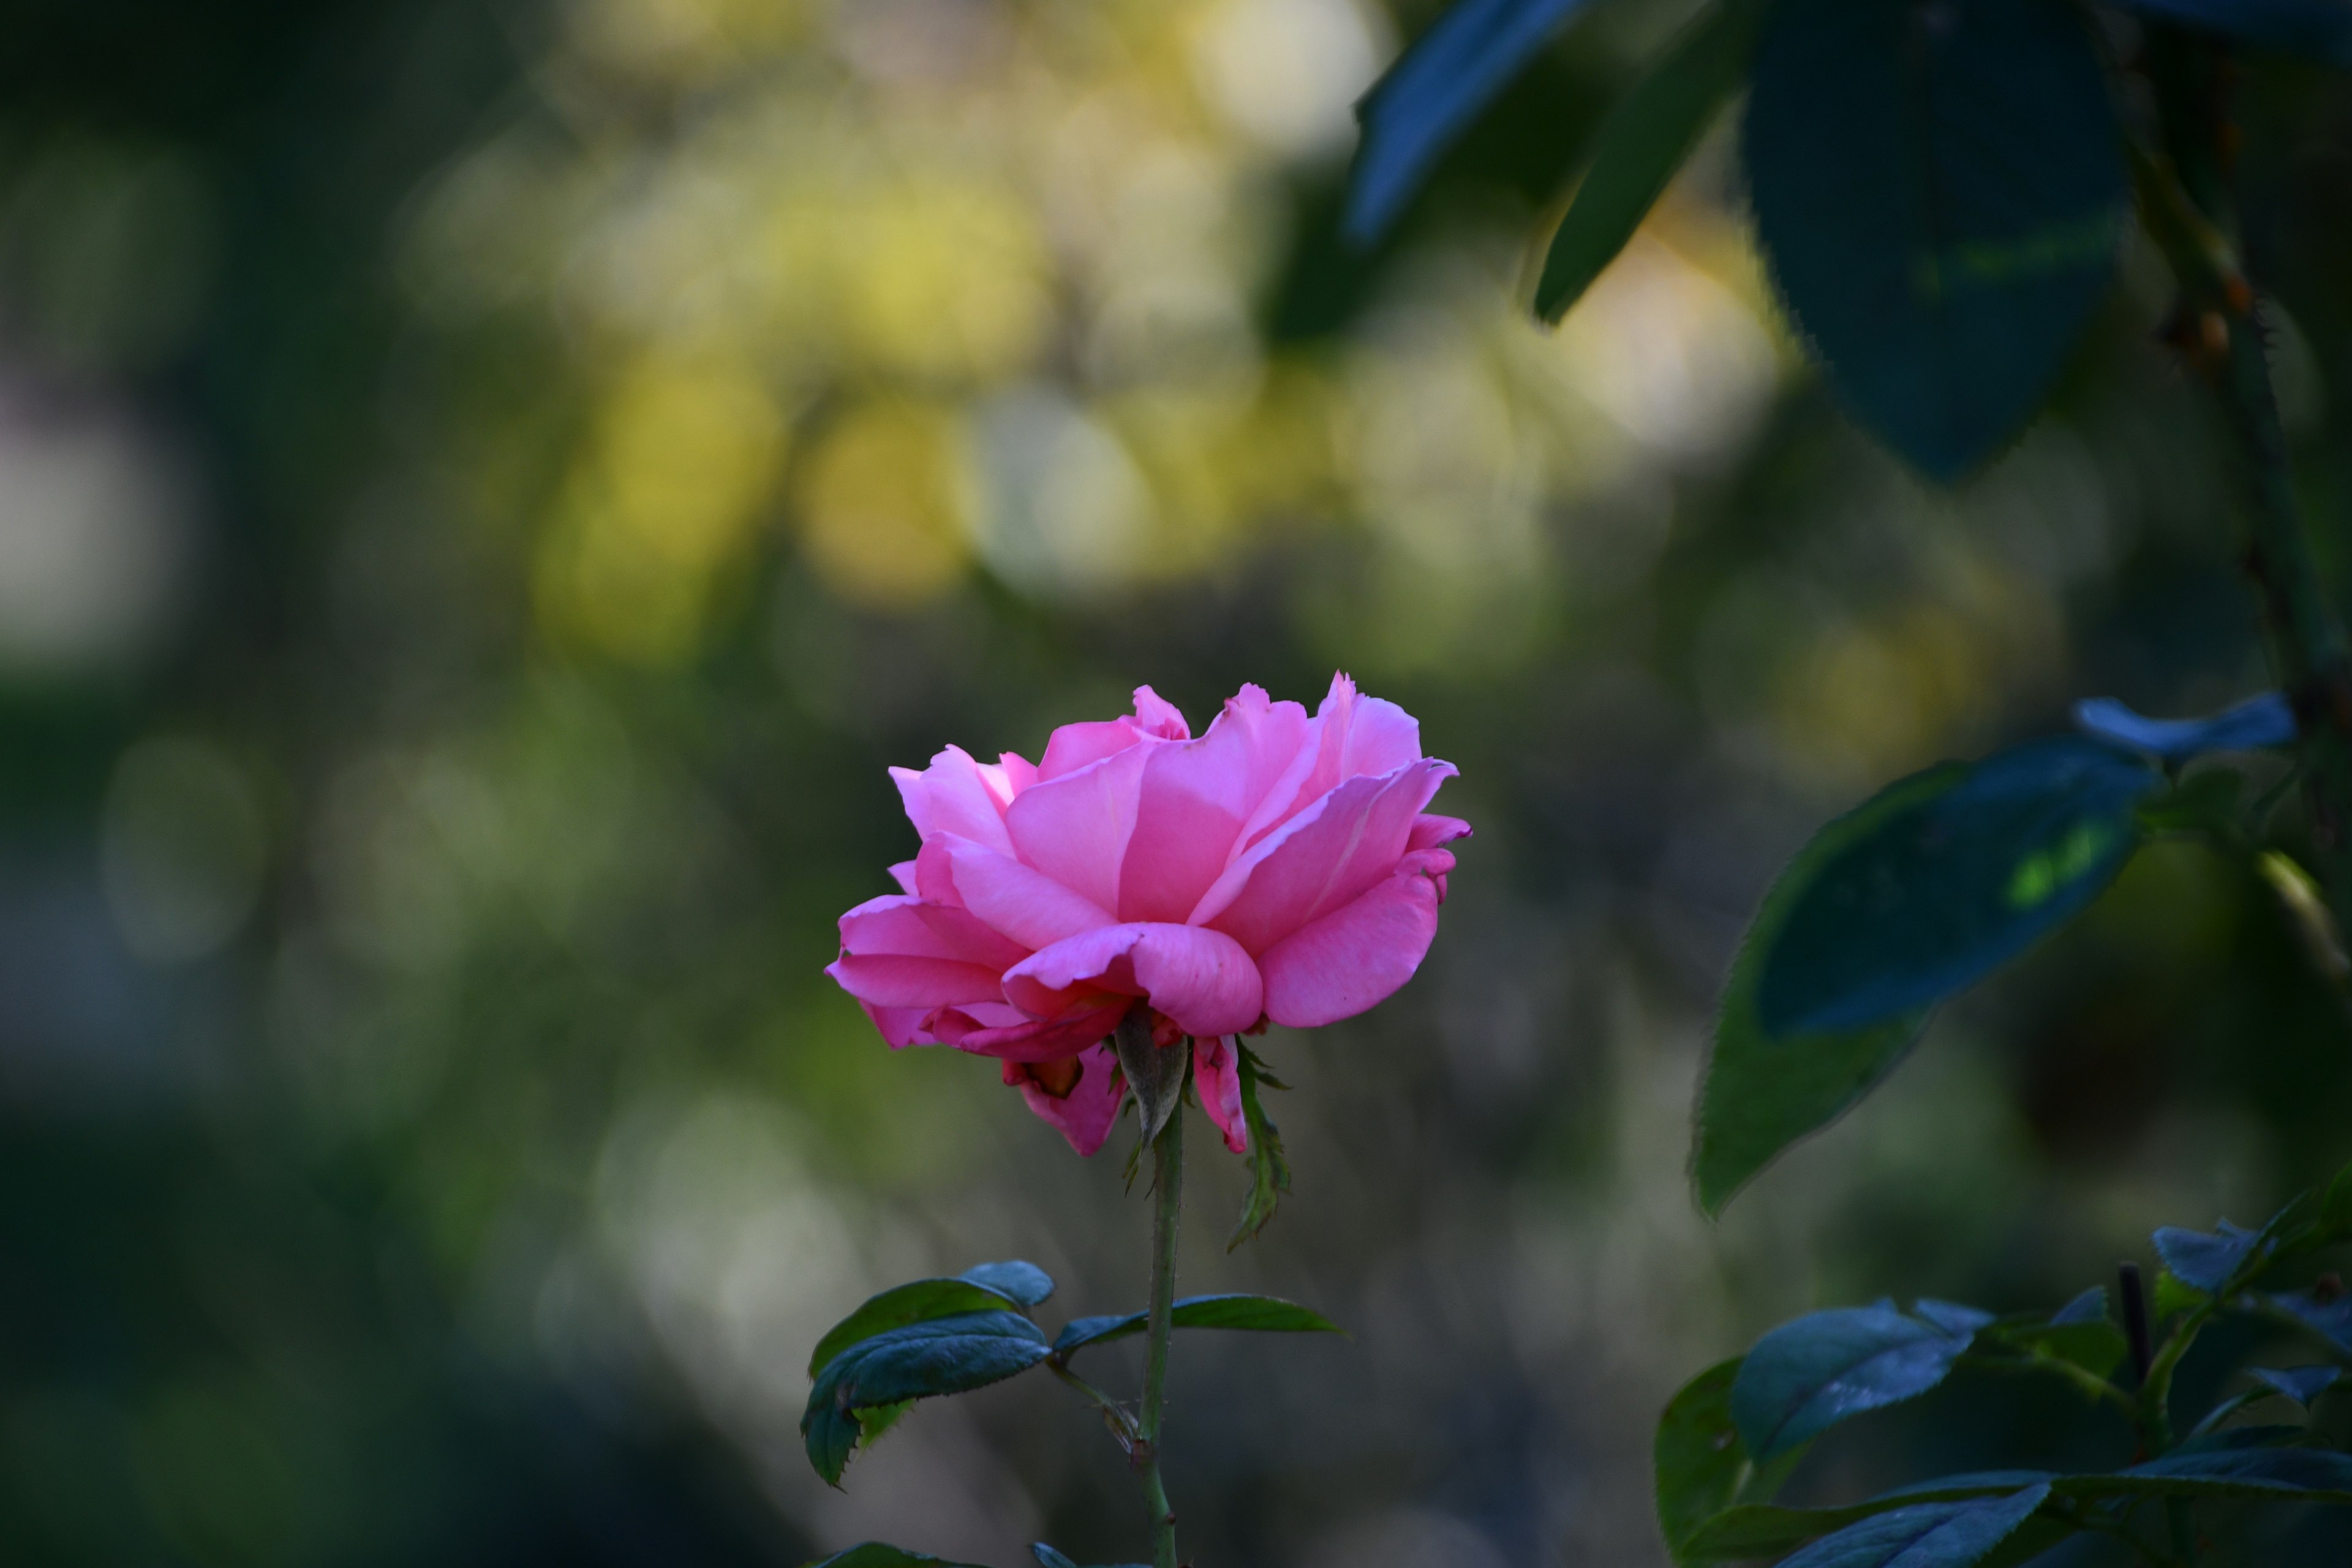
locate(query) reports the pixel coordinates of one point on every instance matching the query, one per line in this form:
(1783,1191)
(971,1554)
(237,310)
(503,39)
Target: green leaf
(875,1554)
(1049,1558)
(939,1355)
(1701,1467)
(1926,1535)
(1263,1313)
(1763,1093)
(2320,28)
(1013,1279)
(2301,1383)
(1646,136)
(2307,1475)
(2173,1295)
(1764,1531)
(2326,1312)
(872,1423)
(1940,190)
(1940,894)
(1807,1375)
(2093,1344)
(2205,1263)
(1269,1171)
(925,1298)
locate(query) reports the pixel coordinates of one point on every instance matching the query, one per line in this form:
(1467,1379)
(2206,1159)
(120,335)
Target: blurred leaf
(2204,801)
(2090,1307)
(2098,1348)
(1761,1094)
(1940,193)
(1049,1558)
(1440,84)
(2326,1312)
(1263,1313)
(1807,1375)
(2301,1383)
(1938,894)
(2174,1296)
(2251,726)
(1155,1073)
(1646,136)
(1765,1530)
(2206,1263)
(1928,1535)
(2310,1475)
(2320,27)
(1269,1171)
(1699,1465)
(921,1300)
(875,1554)
(941,1356)
(1013,1279)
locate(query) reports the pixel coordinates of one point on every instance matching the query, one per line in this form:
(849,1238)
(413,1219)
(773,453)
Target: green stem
(1168,1209)
(2190,214)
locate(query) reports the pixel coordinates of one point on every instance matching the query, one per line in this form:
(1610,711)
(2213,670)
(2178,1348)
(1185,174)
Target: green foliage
(1916,894)
(1806,1377)
(875,1554)
(1639,146)
(1269,1171)
(941,1356)
(1700,1467)
(989,1287)
(1925,1535)
(1263,1313)
(1049,1558)
(2320,28)
(1940,192)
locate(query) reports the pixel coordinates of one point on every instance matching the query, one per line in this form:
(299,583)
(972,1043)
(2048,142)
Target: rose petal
(953,795)
(1088,1109)
(916,928)
(1216,1073)
(1200,979)
(1355,956)
(1075,828)
(903,873)
(1321,859)
(986,1031)
(1020,901)
(1430,831)
(1194,797)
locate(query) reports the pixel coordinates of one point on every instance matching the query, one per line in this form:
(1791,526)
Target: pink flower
(1280,867)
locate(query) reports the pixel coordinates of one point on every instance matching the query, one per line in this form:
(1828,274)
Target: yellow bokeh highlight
(885,503)
(942,275)
(664,497)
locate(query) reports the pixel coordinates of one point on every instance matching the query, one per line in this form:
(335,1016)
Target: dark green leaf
(2301,1383)
(1938,895)
(1940,192)
(1700,1466)
(2204,1262)
(874,1421)
(1763,1093)
(2320,28)
(2204,801)
(939,1355)
(1639,146)
(1807,1375)
(1269,1171)
(2095,1345)
(1047,1557)
(2309,1475)
(2328,1313)
(1155,1073)
(1762,1531)
(2253,725)
(2173,1295)
(1926,1535)
(2090,1307)
(913,1304)
(873,1554)
(1263,1313)
(1428,96)
(1013,1279)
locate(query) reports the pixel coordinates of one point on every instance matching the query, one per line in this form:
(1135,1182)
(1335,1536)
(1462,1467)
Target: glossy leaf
(2318,28)
(875,1554)
(1269,1169)
(1699,1465)
(1433,93)
(1014,1280)
(1763,1092)
(2301,1383)
(1265,1314)
(2205,1262)
(1938,896)
(1763,1530)
(1940,192)
(1640,143)
(1807,1375)
(1926,1535)
(921,1300)
(2251,726)
(939,1355)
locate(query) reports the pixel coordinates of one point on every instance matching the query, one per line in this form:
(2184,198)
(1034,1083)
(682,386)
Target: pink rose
(1278,868)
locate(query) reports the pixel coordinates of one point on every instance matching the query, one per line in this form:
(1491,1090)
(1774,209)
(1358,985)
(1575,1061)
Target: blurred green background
(486,488)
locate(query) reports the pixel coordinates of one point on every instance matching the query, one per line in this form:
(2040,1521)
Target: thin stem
(1168,1210)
